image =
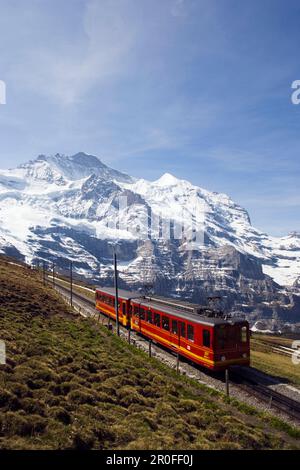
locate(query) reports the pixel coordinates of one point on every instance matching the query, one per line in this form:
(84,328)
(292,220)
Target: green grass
(70,384)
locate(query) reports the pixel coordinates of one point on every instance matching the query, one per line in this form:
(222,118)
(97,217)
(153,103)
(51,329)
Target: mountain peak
(167,180)
(294,234)
(82,158)
(70,168)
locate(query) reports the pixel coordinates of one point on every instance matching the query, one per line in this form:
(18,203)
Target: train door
(165,328)
(174,333)
(124,313)
(182,334)
(128,313)
(135,320)
(206,342)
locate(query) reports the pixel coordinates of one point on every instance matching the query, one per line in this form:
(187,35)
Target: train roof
(190,316)
(123,294)
(172,307)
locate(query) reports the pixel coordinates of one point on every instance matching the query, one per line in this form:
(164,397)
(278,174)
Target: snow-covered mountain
(75,207)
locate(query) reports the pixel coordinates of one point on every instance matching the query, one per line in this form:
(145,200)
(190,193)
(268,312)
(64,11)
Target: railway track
(241,378)
(245,380)
(277,348)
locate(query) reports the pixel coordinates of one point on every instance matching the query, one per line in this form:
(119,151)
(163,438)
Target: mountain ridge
(59,206)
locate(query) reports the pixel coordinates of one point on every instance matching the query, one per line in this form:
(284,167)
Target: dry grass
(70,384)
(77,288)
(280,366)
(273,340)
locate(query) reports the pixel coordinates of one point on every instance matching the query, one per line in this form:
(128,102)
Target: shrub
(60,414)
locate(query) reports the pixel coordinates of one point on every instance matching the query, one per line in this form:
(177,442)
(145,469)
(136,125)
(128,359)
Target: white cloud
(178,8)
(2,92)
(67,73)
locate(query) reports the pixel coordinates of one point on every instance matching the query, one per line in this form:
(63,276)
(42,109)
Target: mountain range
(61,208)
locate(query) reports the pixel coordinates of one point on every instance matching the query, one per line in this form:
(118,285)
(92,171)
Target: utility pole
(227,382)
(53,274)
(71,283)
(129,334)
(150,347)
(116,294)
(44,272)
(177,363)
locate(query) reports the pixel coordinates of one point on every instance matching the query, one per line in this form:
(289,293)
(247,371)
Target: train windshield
(231,336)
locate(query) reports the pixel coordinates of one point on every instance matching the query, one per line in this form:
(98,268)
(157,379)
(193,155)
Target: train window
(232,334)
(182,330)
(136,311)
(221,337)
(206,338)
(175,327)
(157,319)
(142,314)
(124,308)
(221,332)
(244,334)
(165,323)
(190,332)
(149,316)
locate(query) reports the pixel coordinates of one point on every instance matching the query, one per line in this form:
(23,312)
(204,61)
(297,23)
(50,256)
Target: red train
(191,331)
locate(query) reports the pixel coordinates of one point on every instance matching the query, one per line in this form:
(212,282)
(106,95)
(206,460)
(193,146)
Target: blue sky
(197,88)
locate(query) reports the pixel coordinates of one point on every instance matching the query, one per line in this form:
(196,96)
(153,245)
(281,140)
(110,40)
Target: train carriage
(212,342)
(105,302)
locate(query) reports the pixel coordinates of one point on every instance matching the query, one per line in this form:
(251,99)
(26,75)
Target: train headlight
(244,355)
(223,358)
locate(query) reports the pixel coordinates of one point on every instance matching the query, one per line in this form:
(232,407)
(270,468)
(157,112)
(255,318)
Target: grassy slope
(70,384)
